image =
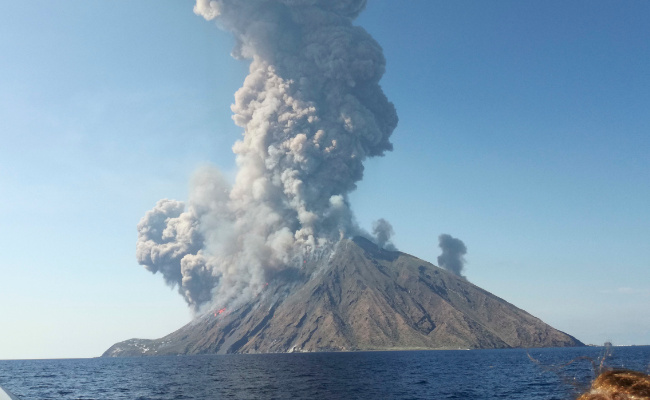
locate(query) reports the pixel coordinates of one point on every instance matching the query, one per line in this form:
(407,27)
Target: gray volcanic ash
(453,251)
(312,111)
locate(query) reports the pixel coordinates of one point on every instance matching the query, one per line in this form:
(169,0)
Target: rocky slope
(360,298)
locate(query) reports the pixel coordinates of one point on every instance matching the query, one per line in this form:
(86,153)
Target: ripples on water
(475,374)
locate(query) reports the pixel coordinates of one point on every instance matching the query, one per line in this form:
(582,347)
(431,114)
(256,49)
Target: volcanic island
(358,298)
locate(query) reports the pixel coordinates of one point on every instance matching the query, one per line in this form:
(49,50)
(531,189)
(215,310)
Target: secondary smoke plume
(312,111)
(453,251)
(383,230)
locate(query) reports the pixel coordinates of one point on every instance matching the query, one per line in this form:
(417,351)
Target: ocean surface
(457,374)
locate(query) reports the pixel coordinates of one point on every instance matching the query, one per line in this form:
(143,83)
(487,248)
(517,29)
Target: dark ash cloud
(382,231)
(453,250)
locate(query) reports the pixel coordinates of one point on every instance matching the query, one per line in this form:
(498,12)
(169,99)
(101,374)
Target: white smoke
(312,111)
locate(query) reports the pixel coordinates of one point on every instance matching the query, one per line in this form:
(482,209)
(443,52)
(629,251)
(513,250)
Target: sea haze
(455,374)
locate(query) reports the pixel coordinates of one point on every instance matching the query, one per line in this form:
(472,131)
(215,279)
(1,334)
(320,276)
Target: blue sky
(524,130)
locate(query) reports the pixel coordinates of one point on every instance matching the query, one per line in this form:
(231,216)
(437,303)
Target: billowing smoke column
(383,230)
(312,110)
(453,251)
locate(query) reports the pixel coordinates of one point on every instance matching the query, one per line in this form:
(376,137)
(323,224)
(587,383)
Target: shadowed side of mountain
(362,298)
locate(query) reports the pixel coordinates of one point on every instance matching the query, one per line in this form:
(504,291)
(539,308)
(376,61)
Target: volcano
(359,297)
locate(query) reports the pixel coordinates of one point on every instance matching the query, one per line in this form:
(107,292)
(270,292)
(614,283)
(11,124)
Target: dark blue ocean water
(471,374)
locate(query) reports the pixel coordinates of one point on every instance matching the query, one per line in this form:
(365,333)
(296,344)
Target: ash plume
(453,250)
(382,231)
(312,111)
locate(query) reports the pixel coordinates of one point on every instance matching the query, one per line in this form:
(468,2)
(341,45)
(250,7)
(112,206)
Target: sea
(555,373)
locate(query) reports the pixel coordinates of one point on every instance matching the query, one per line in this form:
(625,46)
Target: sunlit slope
(361,298)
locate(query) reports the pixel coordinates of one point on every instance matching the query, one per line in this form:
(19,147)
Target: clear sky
(524,131)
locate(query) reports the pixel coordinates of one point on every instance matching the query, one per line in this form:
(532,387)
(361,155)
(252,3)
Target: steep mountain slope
(361,298)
